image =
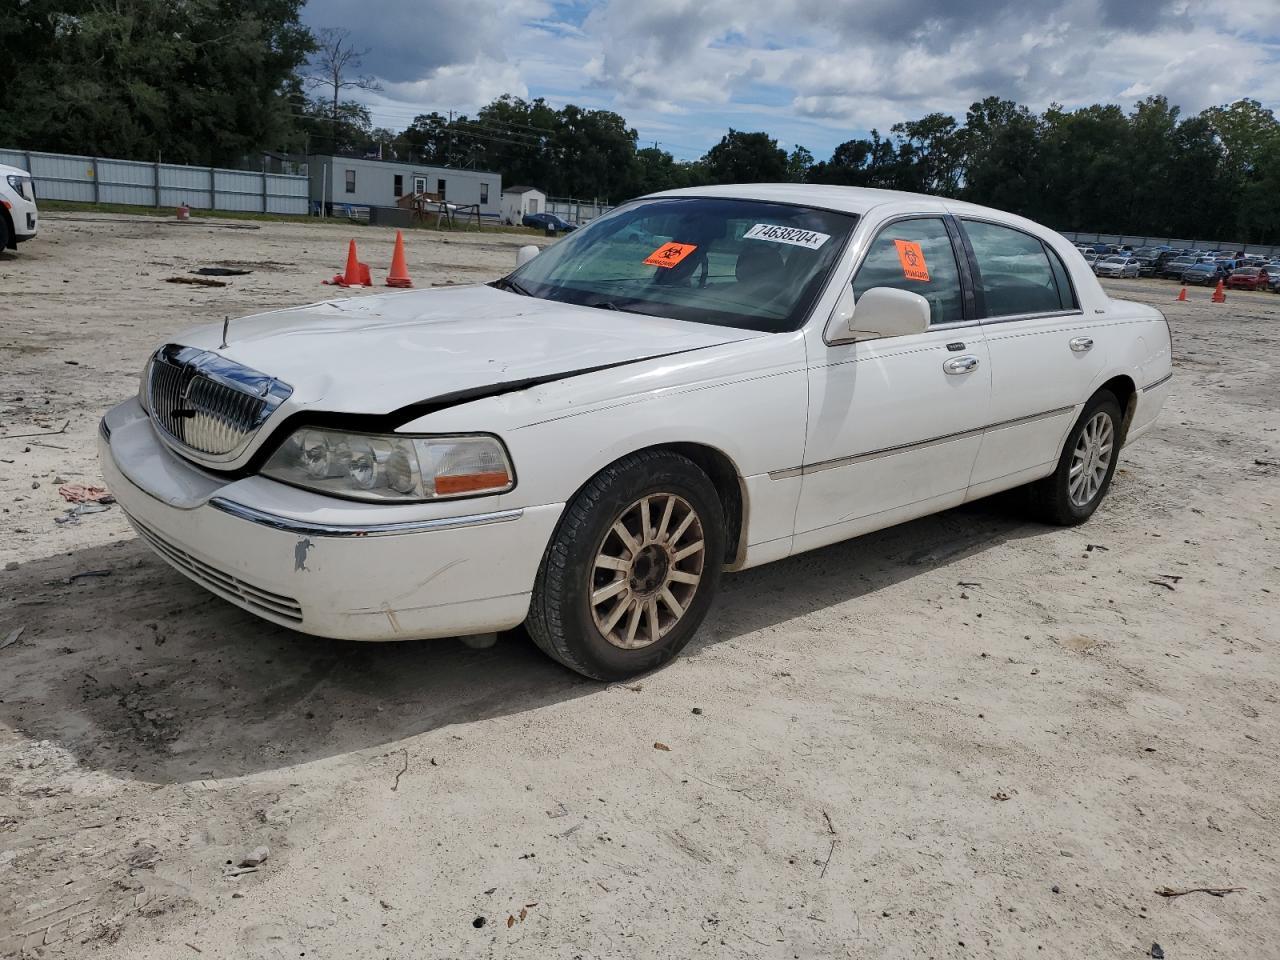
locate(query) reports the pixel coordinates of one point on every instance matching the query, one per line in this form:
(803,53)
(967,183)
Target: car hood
(377,354)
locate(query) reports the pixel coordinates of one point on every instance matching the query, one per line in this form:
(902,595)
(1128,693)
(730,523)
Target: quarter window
(1016,273)
(915,255)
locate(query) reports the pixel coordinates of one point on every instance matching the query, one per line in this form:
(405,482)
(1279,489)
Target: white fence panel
(101,180)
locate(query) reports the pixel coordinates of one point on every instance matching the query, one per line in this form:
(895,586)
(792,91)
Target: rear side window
(915,255)
(1066,293)
(1015,270)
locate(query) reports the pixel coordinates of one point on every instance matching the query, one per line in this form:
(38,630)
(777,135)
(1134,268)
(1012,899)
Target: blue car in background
(543,221)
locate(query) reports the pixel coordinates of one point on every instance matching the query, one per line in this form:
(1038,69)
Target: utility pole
(448,157)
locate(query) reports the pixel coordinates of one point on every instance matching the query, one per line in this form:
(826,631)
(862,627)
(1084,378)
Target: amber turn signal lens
(471,483)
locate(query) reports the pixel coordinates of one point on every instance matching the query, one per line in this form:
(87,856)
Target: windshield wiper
(506,283)
(605,305)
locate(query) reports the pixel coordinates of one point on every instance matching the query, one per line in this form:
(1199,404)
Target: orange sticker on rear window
(669,254)
(912,259)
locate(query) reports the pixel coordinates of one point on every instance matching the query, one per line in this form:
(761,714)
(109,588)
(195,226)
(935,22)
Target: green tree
(799,163)
(191,81)
(930,153)
(742,157)
(1002,156)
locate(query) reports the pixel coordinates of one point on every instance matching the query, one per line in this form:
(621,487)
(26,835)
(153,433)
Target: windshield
(1116,260)
(1247,272)
(733,263)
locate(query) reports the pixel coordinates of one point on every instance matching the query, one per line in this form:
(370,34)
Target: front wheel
(1071,494)
(632,568)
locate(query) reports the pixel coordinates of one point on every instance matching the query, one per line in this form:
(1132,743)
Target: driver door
(895,423)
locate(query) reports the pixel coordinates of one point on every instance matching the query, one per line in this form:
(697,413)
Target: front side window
(915,255)
(734,263)
(351,181)
(1014,271)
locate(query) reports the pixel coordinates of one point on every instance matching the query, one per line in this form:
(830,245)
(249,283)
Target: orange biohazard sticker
(669,254)
(912,259)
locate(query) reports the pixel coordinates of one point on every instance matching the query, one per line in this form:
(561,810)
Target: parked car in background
(1118,265)
(1201,274)
(1151,266)
(19,219)
(542,221)
(1174,268)
(700,381)
(1090,257)
(1249,278)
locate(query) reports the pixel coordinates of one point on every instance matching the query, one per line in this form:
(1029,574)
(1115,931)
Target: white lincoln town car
(702,380)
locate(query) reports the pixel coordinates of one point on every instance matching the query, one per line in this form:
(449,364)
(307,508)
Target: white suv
(18,217)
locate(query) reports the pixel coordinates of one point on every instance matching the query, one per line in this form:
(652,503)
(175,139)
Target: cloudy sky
(811,72)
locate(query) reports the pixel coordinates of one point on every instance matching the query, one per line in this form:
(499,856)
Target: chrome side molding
(308,528)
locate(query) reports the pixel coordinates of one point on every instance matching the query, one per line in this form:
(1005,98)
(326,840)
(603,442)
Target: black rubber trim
(964,260)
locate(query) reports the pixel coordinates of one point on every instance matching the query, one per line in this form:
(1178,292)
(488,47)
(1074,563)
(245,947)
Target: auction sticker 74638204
(792,235)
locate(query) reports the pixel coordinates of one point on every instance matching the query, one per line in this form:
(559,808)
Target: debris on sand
(255,858)
(196,281)
(79,493)
(1170,892)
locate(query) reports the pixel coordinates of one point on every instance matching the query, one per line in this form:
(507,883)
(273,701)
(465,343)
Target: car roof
(859,200)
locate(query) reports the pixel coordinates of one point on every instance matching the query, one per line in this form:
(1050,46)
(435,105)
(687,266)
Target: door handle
(958,365)
(1081,345)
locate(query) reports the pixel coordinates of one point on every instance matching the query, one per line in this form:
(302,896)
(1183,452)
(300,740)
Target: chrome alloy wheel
(647,570)
(1091,459)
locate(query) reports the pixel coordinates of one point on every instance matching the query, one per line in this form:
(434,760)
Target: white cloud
(814,71)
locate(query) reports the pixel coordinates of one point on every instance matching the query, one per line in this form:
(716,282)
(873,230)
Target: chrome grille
(207,404)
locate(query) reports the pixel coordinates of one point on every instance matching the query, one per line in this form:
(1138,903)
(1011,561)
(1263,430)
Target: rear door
(1046,353)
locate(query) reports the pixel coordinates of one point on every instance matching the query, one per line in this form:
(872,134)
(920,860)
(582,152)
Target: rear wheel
(632,568)
(1072,493)
(5,240)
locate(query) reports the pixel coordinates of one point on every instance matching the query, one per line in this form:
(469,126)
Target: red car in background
(1249,278)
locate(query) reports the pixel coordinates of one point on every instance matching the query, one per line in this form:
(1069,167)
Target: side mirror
(879,312)
(525,254)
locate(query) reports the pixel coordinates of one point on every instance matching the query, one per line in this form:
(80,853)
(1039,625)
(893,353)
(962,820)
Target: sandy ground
(862,711)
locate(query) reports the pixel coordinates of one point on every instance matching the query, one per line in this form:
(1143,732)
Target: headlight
(391,467)
(21,186)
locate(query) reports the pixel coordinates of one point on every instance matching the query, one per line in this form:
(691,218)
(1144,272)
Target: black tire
(6,241)
(1051,499)
(561,620)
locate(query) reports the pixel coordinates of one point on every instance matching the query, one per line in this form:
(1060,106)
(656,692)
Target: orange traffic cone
(1182,295)
(356,274)
(399,275)
(1220,295)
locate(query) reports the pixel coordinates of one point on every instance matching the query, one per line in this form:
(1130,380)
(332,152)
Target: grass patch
(170,213)
(167,213)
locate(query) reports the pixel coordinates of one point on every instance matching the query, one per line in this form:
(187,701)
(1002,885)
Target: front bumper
(23,213)
(323,566)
